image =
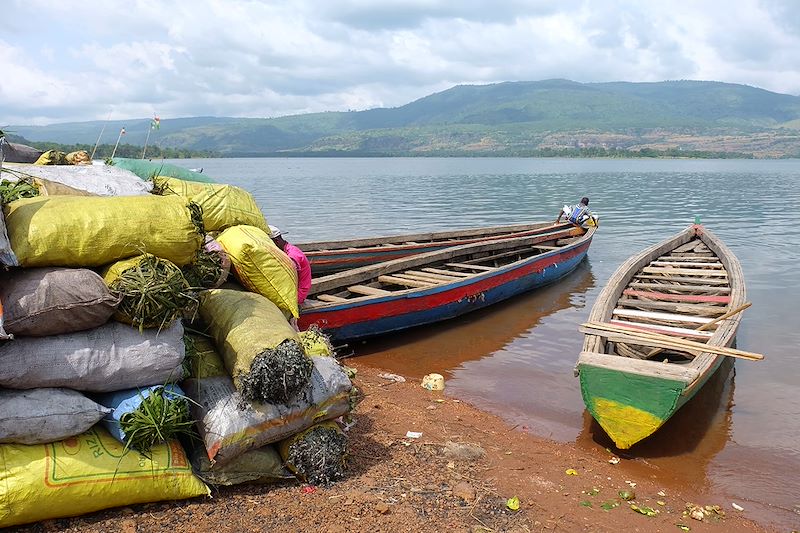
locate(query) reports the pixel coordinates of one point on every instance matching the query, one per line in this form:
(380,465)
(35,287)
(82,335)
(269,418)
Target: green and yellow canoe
(676,288)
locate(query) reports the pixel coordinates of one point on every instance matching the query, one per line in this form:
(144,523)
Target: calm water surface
(736,441)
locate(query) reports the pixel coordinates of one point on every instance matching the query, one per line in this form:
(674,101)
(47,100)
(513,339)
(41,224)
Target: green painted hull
(631,407)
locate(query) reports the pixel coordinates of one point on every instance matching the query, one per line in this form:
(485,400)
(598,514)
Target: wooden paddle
(708,325)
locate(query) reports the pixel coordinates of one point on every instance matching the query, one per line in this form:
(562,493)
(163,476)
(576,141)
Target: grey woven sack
(50,301)
(112,357)
(39,416)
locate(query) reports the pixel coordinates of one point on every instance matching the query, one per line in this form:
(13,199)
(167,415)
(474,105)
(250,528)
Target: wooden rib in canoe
(434,286)
(630,395)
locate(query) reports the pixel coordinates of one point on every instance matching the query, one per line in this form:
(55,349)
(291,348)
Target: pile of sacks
(133,368)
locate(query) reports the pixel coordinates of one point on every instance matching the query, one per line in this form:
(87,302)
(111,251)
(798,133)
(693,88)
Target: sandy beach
(458,475)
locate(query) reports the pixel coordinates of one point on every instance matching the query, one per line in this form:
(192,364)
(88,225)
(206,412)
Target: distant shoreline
(589,152)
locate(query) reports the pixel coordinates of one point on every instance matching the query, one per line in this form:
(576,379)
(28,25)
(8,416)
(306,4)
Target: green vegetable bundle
(14,190)
(210,267)
(151,416)
(317,455)
(153,291)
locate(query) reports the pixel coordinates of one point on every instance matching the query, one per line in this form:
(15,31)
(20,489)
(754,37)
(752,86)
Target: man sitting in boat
(579,214)
(298,258)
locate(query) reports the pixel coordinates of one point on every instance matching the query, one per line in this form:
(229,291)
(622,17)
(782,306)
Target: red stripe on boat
(348,313)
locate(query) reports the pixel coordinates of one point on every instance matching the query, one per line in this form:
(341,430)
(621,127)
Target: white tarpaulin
(102,180)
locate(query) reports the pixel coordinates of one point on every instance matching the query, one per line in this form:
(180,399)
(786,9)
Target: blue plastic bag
(127,401)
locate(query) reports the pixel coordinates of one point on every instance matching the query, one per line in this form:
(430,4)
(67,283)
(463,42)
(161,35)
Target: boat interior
(387,281)
(519,230)
(679,294)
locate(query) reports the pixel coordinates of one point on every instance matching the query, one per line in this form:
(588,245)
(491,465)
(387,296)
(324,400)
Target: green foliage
(123,150)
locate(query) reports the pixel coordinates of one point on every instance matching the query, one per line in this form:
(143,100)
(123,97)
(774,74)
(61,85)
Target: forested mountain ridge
(510,118)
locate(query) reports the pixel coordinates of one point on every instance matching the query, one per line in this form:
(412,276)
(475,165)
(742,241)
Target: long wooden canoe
(671,288)
(438,285)
(335,256)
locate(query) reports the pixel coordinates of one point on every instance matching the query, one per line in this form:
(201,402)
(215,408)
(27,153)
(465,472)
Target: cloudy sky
(82,60)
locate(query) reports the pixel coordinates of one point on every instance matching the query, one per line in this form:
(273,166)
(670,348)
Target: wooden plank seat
(415,277)
(682,279)
(681,258)
(686,271)
(393,280)
(368,291)
(678,287)
(688,247)
(677,297)
(447,272)
(474,267)
(665,330)
(692,254)
(685,264)
(674,307)
(434,276)
(330,298)
(665,317)
(494,257)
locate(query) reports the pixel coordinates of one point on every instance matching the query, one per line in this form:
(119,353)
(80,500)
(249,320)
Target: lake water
(738,440)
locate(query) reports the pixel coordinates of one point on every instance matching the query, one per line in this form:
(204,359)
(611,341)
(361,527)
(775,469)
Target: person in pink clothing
(300,262)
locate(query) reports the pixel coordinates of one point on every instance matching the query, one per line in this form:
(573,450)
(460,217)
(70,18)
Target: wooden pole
(114,151)
(708,325)
(726,315)
(101,134)
(634,336)
(149,129)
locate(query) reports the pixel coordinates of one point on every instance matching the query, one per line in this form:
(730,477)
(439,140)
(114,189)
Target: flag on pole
(155,123)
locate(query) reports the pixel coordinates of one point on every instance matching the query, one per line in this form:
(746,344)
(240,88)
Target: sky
(69,60)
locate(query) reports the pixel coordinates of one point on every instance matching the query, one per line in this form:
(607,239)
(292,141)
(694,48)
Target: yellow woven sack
(113,271)
(73,231)
(316,343)
(223,205)
(87,473)
(53,188)
(260,266)
(204,359)
(243,325)
(52,157)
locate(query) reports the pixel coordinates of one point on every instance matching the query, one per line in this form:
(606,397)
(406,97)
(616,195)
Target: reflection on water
(516,358)
(443,347)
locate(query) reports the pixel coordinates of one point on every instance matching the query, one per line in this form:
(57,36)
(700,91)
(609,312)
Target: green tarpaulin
(146,169)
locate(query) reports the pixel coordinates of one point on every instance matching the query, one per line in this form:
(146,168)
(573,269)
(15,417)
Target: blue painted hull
(469,296)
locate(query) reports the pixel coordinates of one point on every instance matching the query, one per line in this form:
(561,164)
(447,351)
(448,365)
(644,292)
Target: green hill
(511,118)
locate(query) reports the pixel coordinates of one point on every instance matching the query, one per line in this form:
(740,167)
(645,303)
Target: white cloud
(73,61)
